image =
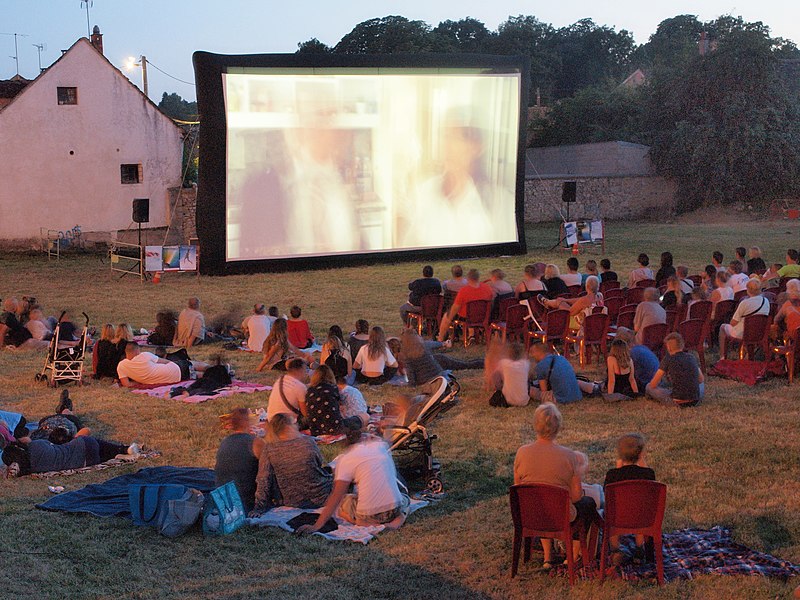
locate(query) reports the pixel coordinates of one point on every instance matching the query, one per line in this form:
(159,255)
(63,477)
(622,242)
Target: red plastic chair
(501,307)
(555,328)
(634,295)
(477,319)
(539,510)
(755,335)
(693,332)
(614,293)
(653,337)
(625,319)
(428,320)
(697,280)
(595,332)
(701,310)
(740,295)
(675,314)
(514,324)
(634,507)
(646,283)
(771,296)
(575,290)
(789,351)
(613,304)
(609,285)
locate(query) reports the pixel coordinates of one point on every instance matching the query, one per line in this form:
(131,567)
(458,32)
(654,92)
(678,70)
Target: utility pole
(16,49)
(39,48)
(144,75)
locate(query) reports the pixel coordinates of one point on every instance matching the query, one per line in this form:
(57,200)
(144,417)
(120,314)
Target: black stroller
(65,363)
(410,441)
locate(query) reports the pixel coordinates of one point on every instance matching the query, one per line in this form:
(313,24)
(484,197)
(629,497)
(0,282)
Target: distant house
(79,143)
(614,180)
(635,79)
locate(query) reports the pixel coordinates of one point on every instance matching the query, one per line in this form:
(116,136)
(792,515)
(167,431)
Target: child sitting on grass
(631,465)
(590,490)
(299,332)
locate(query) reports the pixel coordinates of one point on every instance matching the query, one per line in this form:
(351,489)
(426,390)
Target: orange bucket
(793,213)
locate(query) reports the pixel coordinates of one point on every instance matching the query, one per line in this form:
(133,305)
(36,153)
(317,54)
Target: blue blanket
(110,498)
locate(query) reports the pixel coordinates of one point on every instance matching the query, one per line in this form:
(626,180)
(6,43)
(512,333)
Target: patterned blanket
(109,464)
(237,387)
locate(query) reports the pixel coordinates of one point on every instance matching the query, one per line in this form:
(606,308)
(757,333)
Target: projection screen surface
(337,160)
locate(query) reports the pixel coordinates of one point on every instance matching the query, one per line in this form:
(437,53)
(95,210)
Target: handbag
(180,514)
(149,501)
(549,395)
(223,512)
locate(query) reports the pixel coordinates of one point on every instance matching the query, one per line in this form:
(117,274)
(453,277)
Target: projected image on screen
(327,161)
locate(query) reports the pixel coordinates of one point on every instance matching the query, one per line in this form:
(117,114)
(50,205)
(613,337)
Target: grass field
(732,461)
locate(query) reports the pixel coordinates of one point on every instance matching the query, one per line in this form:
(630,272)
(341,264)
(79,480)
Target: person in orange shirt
(474,290)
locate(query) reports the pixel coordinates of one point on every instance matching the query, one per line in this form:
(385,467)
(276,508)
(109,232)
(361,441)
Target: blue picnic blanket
(12,419)
(110,498)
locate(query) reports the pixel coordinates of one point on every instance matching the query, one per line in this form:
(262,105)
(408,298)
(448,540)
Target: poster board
(583,231)
(171,258)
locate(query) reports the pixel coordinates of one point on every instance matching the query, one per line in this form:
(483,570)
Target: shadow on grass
(772,533)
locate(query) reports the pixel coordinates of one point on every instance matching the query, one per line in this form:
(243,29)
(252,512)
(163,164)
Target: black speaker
(569,191)
(141,210)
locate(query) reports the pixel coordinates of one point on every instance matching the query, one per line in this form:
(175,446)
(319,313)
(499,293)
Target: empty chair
(555,328)
(609,285)
(740,295)
(625,319)
(539,510)
(515,323)
(613,304)
(634,295)
(675,314)
(501,306)
(701,309)
(635,507)
(594,334)
(693,332)
(653,337)
(646,283)
(429,316)
(614,293)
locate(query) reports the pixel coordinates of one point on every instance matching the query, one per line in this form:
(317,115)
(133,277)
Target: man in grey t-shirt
(684,375)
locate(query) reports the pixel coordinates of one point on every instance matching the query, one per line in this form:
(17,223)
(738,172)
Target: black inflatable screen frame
(211,211)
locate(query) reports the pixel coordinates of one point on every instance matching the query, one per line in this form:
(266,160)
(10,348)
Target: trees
(313,46)
(386,35)
(176,107)
(466,35)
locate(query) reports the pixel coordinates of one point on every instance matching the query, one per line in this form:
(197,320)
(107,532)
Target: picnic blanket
(110,498)
(692,552)
(109,464)
(281,515)
(236,387)
(747,371)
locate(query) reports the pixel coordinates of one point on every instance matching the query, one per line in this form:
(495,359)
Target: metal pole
(88,26)
(16,53)
(144,75)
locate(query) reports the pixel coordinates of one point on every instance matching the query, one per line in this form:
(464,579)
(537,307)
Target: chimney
(97,39)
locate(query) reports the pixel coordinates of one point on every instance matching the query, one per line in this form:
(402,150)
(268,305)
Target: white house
(78,144)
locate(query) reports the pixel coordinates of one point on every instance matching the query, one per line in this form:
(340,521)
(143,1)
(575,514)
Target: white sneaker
(134,449)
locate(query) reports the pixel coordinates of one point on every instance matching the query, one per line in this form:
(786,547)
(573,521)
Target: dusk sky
(168,32)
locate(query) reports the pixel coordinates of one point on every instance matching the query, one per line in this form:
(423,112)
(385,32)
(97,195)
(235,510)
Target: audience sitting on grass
(238,456)
(375,364)
(336,354)
(456,282)
(631,466)
(645,362)
(544,461)
(621,372)
(649,312)
(531,284)
(474,290)
(191,328)
(298,329)
(683,373)
(500,287)
(122,335)
(716,260)
(63,418)
(572,277)
(510,377)
(425,286)
(322,406)
(13,334)
(753,304)
(359,337)
(256,327)
(755,264)
(667,270)
(555,379)
(139,368)
(366,464)
(291,470)
(553,283)
(278,350)
(352,403)
(606,274)
(737,280)
(289,392)
(422,365)
(38,325)
(164,332)
(642,272)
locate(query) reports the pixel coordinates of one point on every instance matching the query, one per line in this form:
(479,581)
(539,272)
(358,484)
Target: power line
(167,74)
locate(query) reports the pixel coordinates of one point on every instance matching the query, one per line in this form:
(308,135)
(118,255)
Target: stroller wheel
(434,485)
(39,377)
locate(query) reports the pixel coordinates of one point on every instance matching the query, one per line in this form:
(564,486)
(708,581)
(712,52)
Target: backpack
(337,363)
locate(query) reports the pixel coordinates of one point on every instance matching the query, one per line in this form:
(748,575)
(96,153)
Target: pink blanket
(237,387)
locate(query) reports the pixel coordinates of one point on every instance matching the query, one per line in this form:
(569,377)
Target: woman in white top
(374,362)
(721,292)
(531,284)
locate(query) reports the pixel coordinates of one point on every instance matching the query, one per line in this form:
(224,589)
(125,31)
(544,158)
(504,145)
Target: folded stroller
(66,363)
(410,441)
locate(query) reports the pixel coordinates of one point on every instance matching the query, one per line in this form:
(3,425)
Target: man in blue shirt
(554,372)
(418,288)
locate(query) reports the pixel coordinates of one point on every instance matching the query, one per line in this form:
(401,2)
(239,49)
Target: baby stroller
(410,441)
(64,364)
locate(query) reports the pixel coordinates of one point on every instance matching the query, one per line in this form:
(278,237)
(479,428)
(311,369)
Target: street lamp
(132,62)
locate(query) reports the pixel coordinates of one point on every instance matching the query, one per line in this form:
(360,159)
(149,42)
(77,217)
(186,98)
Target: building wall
(606,197)
(60,164)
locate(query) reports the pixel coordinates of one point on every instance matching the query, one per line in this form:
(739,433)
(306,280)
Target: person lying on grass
(367,462)
(139,368)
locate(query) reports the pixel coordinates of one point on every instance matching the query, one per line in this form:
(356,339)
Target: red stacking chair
(595,332)
(755,335)
(503,305)
(701,310)
(634,507)
(634,295)
(449,298)
(693,332)
(741,294)
(609,285)
(625,319)
(697,280)
(646,283)
(653,337)
(514,323)
(575,290)
(771,296)
(542,511)
(555,328)
(428,320)
(614,293)
(477,319)
(789,351)
(723,312)
(675,314)
(613,304)
(782,283)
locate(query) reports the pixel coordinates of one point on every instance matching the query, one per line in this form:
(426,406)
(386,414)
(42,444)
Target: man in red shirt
(474,290)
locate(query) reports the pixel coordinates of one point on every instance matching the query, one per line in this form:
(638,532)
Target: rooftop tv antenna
(88,4)
(16,50)
(39,48)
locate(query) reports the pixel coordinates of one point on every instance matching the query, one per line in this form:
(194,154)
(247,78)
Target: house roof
(605,159)
(9,88)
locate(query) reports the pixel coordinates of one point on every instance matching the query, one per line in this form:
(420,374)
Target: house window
(130,173)
(67,95)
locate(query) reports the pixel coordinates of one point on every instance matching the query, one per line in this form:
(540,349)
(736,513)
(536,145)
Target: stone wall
(606,197)
(185,205)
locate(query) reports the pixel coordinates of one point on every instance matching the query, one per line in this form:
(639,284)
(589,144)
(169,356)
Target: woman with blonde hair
(374,362)
(277,348)
(553,283)
(621,375)
(336,354)
(105,357)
